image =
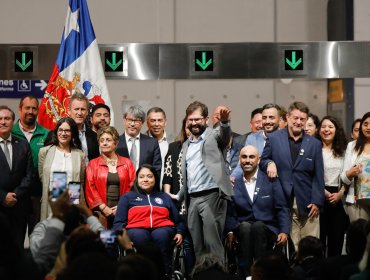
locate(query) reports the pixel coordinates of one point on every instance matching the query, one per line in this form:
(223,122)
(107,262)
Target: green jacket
(37,140)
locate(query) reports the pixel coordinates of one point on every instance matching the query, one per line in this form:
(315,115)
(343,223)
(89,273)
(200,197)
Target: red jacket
(96,179)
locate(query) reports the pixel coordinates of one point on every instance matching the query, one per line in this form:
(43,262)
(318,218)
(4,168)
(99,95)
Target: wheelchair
(178,263)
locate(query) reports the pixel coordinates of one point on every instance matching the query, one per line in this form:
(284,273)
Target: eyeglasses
(197,120)
(133,121)
(66,131)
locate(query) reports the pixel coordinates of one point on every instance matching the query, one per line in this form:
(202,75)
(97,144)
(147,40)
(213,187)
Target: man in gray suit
(206,183)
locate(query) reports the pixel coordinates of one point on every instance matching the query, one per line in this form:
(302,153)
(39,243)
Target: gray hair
(80,97)
(137,111)
(206,262)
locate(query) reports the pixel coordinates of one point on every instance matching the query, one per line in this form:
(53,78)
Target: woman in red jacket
(108,177)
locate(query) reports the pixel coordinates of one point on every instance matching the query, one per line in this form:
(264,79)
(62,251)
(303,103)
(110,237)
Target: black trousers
(333,224)
(255,240)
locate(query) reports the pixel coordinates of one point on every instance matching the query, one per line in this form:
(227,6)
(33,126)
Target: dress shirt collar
(253,179)
(8,139)
(128,137)
(24,130)
(164,138)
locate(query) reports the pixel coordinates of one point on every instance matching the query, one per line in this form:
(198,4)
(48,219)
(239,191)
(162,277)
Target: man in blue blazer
(296,158)
(136,146)
(259,214)
(17,175)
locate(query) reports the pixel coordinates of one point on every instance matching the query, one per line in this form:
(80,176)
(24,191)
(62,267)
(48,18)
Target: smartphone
(59,184)
(74,189)
(108,237)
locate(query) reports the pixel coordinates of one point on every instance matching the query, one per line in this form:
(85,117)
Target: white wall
(184,21)
(362,33)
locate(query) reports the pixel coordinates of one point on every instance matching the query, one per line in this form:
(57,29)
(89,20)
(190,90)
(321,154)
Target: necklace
(111,162)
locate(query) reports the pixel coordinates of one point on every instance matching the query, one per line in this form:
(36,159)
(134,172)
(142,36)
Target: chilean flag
(78,68)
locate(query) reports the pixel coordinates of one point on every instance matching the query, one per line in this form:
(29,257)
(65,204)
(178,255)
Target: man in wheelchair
(258,216)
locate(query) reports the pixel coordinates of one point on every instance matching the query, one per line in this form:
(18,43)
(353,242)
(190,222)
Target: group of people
(290,177)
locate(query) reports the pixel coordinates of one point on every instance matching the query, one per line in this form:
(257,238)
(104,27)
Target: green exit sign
(293,59)
(23,61)
(203,60)
(113,61)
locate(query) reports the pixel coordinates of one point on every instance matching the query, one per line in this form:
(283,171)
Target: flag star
(71,22)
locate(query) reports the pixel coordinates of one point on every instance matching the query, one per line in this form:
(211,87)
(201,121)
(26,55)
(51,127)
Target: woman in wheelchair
(150,215)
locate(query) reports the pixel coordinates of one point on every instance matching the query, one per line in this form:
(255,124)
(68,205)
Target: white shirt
(163,146)
(62,162)
(137,144)
(251,185)
(27,133)
(9,145)
(332,168)
(82,136)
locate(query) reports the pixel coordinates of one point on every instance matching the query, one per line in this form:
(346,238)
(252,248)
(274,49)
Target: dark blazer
(92,144)
(20,178)
(149,151)
(306,177)
(269,205)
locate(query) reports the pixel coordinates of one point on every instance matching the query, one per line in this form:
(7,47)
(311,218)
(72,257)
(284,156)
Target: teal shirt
(37,140)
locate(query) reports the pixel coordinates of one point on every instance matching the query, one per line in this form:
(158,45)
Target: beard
(30,120)
(197,129)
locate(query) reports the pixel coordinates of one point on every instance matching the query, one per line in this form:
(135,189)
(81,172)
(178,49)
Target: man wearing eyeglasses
(136,146)
(206,183)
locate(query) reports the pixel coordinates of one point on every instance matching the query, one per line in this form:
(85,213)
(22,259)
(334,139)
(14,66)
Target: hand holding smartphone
(59,184)
(74,190)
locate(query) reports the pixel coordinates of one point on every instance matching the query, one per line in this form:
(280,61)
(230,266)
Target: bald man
(258,216)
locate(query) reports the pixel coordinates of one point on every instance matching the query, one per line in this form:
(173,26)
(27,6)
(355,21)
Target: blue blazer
(269,205)
(305,177)
(149,151)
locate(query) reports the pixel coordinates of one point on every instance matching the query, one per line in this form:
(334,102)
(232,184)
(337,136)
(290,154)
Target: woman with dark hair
(63,154)
(333,220)
(312,125)
(149,215)
(108,177)
(356,172)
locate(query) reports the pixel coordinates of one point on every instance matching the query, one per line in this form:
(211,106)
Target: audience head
(273,266)
(197,118)
(270,117)
(147,179)
(7,118)
(156,122)
(28,109)
(78,109)
(91,266)
(356,238)
(136,267)
(312,125)
(133,120)
(363,134)
(66,133)
(310,246)
(100,116)
(206,262)
(255,123)
(297,117)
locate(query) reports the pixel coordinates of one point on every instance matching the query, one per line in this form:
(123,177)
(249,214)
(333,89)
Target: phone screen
(108,237)
(59,182)
(74,192)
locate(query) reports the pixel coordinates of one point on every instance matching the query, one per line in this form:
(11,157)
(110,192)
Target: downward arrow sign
(204,64)
(293,63)
(23,65)
(114,64)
